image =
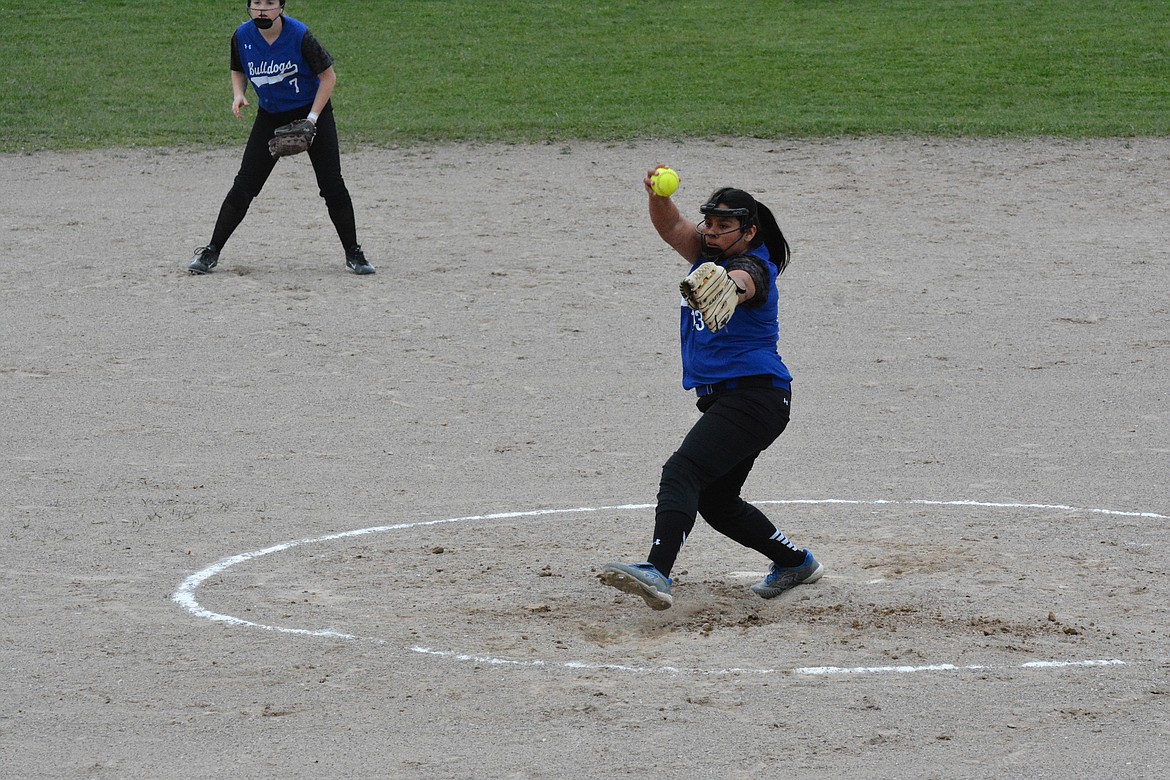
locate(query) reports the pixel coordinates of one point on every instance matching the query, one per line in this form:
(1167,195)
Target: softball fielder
(293,77)
(729,330)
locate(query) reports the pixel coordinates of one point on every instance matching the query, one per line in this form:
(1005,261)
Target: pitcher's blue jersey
(747,346)
(279,73)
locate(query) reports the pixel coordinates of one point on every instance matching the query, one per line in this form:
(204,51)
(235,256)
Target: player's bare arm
(324,91)
(674,229)
(743,280)
(239,92)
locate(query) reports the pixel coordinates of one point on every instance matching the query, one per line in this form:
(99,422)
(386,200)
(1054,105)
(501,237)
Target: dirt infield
(282,521)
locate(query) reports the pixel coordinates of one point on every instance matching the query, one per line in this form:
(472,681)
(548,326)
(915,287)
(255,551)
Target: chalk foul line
(811,671)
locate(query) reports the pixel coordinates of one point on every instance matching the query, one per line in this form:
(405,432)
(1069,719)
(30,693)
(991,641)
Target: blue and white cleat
(640,579)
(782,578)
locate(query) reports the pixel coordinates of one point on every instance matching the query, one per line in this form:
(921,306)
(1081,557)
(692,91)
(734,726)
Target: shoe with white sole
(206,258)
(639,579)
(782,578)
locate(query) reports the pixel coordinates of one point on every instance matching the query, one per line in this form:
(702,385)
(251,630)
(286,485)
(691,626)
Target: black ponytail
(770,235)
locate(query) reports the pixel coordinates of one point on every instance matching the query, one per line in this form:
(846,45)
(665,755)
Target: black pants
(258,163)
(707,472)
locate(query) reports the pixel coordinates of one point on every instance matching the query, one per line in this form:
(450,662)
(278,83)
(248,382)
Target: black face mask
(265,24)
(710,253)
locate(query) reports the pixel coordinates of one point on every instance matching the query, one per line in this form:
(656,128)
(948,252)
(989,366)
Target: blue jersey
(747,346)
(279,72)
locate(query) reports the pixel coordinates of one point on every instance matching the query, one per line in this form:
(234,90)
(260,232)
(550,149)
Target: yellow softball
(664,182)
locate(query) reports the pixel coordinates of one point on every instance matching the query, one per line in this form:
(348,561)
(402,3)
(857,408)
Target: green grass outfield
(93,73)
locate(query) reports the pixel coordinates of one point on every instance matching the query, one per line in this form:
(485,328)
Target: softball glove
(293,138)
(711,292)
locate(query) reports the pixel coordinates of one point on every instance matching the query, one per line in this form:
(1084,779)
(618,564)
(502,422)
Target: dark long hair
(768,232)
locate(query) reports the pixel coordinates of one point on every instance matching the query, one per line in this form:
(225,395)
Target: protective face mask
(263,24)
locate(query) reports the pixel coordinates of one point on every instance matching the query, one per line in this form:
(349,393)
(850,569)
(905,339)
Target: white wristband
(313,117)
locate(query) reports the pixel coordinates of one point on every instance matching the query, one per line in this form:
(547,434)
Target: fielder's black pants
(707,472)
(257,165)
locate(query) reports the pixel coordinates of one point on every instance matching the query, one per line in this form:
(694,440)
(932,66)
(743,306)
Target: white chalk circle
(185,594)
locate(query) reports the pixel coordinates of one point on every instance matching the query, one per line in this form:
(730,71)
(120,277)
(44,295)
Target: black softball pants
(705,476)
(257,165)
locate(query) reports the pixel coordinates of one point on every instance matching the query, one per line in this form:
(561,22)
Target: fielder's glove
(711,292)
(293,138)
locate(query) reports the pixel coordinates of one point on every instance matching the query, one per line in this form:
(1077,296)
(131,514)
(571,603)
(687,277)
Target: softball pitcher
(293,77)
(729,330)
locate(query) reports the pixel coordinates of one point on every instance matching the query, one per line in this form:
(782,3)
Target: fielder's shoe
(782,578)
(206,258)
(640,579)
(355,260)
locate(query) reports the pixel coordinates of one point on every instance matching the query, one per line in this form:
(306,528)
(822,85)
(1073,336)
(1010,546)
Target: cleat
(640,579)
(782,578)
(206,258)
(355,260)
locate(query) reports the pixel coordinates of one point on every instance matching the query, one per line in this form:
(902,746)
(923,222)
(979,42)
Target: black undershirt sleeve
(755,269)
(314,53)
(237,64)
